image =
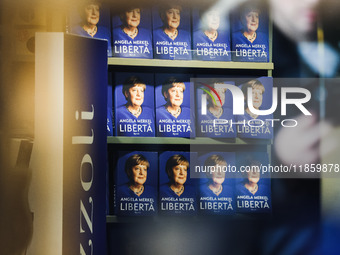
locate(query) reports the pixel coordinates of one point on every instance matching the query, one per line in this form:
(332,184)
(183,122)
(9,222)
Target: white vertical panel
(47,156)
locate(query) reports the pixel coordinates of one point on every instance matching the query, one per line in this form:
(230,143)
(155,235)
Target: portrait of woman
(212,40)
(215,186)
(250,18)
(91,24)
(257,97)
(129,30)
(136,182)
(174,117)
(210,21)
(177,167)
(173,93)
(133,91)
(136,169)
(250,36)
(171,34)
(251,183)
(130,22)
(251,178)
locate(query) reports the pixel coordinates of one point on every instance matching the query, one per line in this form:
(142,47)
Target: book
(91,19)
(171,32)
(136,184)
(211,35)
(134,104)
(252,183)
(251,124)
(216,189)
(214,101)
(249,33)
(177,191)
(174,105)
(132,33)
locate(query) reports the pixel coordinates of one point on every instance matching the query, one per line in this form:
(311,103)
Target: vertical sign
(67,194)
(85,108)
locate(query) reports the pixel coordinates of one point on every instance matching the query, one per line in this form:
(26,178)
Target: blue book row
(172,31)
(173,105)
(188,183)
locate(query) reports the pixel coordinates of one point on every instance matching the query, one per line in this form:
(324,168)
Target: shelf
(129,219)
(185,141)
(189,64)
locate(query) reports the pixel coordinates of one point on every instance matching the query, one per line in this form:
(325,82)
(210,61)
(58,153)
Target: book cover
(132,33)
(171,32)
(249,27)
(251,124)
(91,18)
(216,190)
(174,105)
(252,183)
(214,102)
(211,35)
(134,104)
(177,191)
(136,184)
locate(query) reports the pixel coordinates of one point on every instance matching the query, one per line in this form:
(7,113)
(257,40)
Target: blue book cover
(171,32)
(109,126)
(91,19)
(211,35)
(249,37)
(216,189)
(253,183)
(177,191)
(251,124)
(214,102)
(174,105)
(132,33)
(134,104)
(136,184)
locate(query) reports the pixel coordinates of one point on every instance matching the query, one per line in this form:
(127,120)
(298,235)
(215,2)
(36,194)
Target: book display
(208,129)
(161,127)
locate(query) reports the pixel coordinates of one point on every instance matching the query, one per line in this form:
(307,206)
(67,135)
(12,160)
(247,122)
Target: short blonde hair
(173,161)
(169,83)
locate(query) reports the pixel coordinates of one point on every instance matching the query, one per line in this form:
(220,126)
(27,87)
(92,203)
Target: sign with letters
(69,155)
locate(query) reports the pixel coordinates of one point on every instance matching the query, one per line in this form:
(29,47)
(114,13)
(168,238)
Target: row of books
(172,31)
(188,183)
(173,105)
